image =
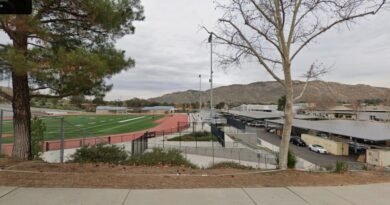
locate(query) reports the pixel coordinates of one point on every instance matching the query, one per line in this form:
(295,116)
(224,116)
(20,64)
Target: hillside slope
(271,91)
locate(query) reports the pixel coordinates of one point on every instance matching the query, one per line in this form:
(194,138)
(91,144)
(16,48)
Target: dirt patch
(39,174)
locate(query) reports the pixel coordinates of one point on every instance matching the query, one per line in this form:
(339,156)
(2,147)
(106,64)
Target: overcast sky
(170,52)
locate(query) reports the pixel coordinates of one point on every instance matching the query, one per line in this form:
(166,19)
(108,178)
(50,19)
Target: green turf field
(89,125)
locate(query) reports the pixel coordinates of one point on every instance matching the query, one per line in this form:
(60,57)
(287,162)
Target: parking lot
(323,160)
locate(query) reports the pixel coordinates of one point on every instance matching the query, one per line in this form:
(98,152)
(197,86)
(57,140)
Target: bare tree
(274,32)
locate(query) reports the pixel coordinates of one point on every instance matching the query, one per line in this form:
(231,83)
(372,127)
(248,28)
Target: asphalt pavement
(323,160)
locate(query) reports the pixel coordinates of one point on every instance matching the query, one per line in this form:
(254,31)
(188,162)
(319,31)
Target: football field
(88,125)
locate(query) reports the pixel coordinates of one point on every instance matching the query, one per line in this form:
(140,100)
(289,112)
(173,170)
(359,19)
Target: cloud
(170,51)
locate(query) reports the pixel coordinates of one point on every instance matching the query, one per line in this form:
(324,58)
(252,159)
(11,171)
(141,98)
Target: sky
(170,50)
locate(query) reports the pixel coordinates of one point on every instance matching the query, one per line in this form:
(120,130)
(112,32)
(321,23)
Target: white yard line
(131,119)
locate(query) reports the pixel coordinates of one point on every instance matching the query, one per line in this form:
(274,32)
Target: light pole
(200,92)
(211,73)
(211,91)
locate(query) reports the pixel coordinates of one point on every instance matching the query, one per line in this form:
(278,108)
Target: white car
(318,148)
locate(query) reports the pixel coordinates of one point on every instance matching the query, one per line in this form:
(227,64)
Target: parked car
(271,130)
(258,124)
(297,141)
(318,148)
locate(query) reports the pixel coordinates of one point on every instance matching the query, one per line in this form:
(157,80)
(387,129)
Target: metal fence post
(62,140)
(180,139)
(1,129)
(196,140)
(163,139)
(239,155)
(212,144)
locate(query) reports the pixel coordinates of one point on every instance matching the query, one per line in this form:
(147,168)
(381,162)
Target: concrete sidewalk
(377,194)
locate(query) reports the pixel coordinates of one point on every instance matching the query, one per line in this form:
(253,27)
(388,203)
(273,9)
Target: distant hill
(271,91)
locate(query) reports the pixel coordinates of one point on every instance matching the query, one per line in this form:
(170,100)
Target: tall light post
(200,92)
(211,73)
(211,90)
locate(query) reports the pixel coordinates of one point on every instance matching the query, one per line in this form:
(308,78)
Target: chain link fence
(205,152)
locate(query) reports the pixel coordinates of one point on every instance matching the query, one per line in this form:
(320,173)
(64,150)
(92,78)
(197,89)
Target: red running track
(169,124)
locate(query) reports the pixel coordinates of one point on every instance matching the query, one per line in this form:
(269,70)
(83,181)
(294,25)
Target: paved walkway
(377,194)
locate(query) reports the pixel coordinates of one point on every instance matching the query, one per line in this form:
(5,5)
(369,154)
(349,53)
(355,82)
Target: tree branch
(254,52)
(313,73)
(348,18)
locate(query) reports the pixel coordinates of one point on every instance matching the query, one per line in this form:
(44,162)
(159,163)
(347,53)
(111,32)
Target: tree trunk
(21,104)
(288,118)
(22,117)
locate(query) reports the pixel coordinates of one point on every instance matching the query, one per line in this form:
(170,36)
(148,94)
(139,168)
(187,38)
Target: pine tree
(65,47)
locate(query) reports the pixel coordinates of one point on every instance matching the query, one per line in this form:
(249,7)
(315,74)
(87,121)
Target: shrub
(341,167)
(232,165)
(365,167)
(104,153)
(291,160)
(158,156)
(38,129)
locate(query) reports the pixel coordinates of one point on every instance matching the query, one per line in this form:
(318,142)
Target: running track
(168,124)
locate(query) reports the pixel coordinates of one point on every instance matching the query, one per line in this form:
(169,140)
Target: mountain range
(269,92)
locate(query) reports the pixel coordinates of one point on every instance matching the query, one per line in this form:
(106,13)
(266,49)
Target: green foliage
(196,136)
(77,100)
(159,156)
(138,103)
(281,103)
(73,50)
(341,167)
(231,165)
(220,105)
(103,153)
(38,129)
(365,167)
(291,160)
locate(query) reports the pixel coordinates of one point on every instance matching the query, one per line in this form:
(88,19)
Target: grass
(88,126)
(197,136)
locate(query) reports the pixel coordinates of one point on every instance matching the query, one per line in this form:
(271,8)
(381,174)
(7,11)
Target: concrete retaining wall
(378,157)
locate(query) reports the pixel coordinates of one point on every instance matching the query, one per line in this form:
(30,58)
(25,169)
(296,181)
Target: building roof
(257,114)
(111,108)
(307,117)
(168,108)
(374,131)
